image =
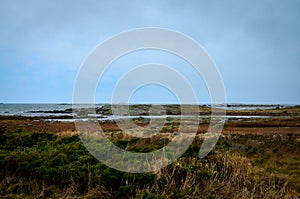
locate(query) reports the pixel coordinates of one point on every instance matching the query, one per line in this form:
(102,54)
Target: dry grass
(230,171)
(67,133)
(239,180)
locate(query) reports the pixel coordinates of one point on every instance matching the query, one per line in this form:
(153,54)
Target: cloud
(255,44)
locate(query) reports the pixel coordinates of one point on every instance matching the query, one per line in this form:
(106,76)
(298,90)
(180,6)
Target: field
(256,157)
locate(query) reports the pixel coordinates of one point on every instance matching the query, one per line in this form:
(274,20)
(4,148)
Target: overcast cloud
(255,45)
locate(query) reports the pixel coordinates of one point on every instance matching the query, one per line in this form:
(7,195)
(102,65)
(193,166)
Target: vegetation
(51,165)
(175,109)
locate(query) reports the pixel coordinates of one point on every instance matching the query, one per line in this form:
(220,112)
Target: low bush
(48,166)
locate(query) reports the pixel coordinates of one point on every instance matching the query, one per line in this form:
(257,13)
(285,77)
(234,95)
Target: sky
(255,45)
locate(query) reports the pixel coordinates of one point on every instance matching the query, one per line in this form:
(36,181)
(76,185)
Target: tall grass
(47,165)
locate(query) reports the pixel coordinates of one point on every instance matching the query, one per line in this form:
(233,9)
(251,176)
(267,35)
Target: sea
(33,110)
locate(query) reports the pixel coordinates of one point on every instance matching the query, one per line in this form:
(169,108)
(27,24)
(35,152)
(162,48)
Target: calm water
(35,109)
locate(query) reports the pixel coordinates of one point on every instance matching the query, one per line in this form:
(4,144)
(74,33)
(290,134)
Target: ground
(254,157)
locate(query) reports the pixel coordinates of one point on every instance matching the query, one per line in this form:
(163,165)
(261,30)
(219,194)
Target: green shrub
(147,195)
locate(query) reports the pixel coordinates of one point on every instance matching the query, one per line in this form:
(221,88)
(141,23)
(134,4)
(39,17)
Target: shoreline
(244,125)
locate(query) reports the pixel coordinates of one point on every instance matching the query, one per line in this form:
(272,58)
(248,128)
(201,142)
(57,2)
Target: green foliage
(251,150)
(125,191)
(121,143)
(63,162)
(147,195)
(259,160)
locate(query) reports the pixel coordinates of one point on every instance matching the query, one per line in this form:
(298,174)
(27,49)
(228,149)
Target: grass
(52,165)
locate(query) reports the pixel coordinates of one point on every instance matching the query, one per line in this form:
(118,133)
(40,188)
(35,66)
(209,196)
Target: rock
(277,136)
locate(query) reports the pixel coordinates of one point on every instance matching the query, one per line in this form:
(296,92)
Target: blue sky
(255,45)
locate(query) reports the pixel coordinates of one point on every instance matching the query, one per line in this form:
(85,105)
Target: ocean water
(37,109)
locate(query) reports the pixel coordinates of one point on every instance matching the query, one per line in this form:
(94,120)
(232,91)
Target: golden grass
(240,180)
